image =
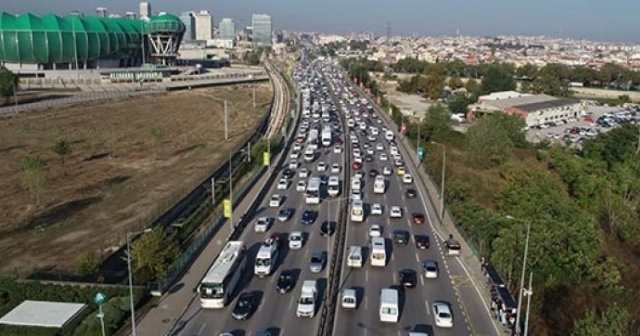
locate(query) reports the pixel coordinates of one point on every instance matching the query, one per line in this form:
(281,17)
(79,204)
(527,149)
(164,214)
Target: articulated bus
(221,279)
(312,194)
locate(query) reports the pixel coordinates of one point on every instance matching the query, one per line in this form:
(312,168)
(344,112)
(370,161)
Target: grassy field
(129,159)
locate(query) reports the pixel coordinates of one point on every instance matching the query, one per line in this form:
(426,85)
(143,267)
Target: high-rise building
(101,12)
(145,9)
(227,29)
(261,24)
(190,26)
(204,26)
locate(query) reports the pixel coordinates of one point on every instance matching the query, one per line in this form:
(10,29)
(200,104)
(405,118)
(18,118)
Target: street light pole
(132,306)
(528,293)
(444,165)
(231,190)
(524,268)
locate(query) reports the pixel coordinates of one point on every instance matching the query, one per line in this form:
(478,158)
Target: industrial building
(30,43)
(535,110)
(262,30)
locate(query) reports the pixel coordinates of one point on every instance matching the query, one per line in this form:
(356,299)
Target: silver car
(318,259)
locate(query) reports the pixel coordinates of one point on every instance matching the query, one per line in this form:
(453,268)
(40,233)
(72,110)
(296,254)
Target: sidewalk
(168,310)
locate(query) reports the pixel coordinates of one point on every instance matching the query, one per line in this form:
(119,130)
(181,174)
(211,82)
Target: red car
(418,218)
(356,165)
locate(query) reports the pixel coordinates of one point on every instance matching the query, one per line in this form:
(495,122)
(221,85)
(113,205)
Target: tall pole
(529,293)
(444,165)
(254,97)
(524,268)
(75,48)
(231,189)
(269,153)
(226,130)
(142,41)
(15,92)
(133,313)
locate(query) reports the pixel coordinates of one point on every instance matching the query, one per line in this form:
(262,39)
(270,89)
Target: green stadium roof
(168,23)
(27,38)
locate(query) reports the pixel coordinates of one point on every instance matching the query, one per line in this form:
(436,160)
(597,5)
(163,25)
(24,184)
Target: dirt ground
(129,160)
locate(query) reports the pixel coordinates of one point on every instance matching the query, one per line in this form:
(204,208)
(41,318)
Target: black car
(411,193)
(401,237)
(244,306)
(327,228)
(408,278)
(373,173)
(286,282)
(422,241)
(308,217)
(368,158)
(284,214)
(288,173)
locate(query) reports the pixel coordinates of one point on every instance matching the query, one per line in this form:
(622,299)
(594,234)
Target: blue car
(308,217)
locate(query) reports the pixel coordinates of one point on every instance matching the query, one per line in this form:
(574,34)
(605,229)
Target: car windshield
(444,315)
(263,262)
(243,302)
(306,300)
(213,290)
(295,238)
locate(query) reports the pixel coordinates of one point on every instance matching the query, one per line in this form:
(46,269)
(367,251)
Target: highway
(276,312)
(415,303)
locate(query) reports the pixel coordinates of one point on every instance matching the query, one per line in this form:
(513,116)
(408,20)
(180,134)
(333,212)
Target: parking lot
(577,131)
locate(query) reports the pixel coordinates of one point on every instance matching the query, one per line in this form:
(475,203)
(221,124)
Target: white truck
(307,301)
(326,137)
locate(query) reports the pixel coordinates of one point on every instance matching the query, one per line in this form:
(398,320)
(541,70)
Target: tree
(624,98)
(433,86)
(458,103)
(455,82)
(436,120)
(62,148)
(154,252)
(8,83)
(87,263)
(528,71)
(497,79)
(471,85)
(550,85)
(34,176)
(612,321)
(492,138)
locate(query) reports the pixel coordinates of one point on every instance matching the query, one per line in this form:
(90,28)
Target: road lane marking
(417,258)
(366,276)
(426,302)
(291,303)
(204,325)
(421,279)
(395,278)
(366,303)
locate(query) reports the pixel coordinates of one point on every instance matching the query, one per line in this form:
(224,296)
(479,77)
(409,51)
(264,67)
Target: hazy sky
(613,20)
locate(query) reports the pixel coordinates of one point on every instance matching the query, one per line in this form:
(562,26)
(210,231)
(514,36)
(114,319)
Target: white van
(355,183)
(388,135)
(389,307)
(354,258)
(349,299)
(378,252)
(307,301)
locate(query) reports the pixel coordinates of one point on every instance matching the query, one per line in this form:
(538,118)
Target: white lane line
(366,276)
(426,302)
(421,279)
(282,331)
(291,303)
(391,256)
(366,303)
(395,278)
(417,258)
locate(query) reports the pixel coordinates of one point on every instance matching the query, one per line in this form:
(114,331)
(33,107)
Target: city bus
(312,195)
(221,279)
(357,211)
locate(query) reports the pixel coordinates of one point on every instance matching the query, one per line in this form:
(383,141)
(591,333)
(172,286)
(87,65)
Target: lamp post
(524,268)
(132,307)
(528,293)
(444,165)
(231,189)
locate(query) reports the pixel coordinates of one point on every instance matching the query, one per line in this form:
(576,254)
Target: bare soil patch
(130,159)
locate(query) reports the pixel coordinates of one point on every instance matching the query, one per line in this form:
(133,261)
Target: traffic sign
(420,151)
(266,159)
(390,111)
(403,129)
(227,208)
(99,298)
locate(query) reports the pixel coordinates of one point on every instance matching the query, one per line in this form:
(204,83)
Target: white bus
(266,258)
(221,279)
(357,211)
(312,195)
(389,306)
(378,252)
(379,185)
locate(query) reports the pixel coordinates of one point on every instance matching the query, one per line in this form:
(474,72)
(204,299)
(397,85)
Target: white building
(262,30)
(101,12)
(204,25)
(227,29)
(145,9)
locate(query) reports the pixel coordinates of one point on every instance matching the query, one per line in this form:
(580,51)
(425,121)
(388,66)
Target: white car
(386,171)
(359,174)
(395,212)
(335,168)
(303,173)
(430,269)
(283,184)
(275,200)
(375,231)
(407,178)
(442,315)
(370,151)
(263,224)
(376,209)
(294,155)
(297,147)
(295,240)
(301,186)
(356,194)
(321,166)
(379,146)
(293,164)
(383,157)
(337,149)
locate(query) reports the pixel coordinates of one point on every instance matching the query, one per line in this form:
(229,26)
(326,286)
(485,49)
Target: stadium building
(30,43)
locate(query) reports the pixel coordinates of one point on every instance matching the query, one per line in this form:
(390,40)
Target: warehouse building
(536,109)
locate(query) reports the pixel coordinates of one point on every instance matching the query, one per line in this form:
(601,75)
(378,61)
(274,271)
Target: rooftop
(43,314)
